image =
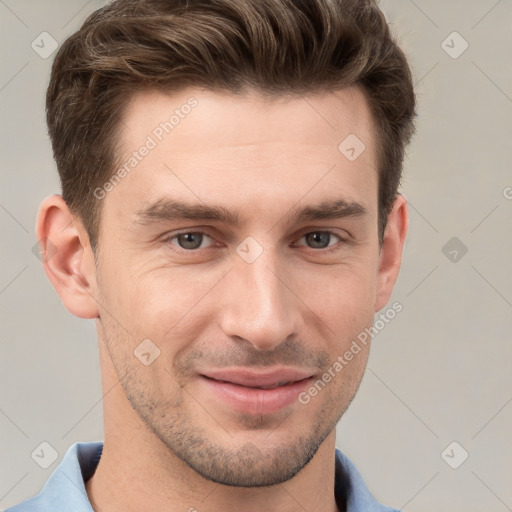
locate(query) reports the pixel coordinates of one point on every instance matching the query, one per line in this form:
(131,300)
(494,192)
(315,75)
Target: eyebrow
(167,209)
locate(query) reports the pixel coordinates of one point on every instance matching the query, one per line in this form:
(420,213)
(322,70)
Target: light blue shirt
(65,489)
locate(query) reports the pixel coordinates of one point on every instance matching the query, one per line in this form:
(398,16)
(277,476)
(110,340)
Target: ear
(67,257)
(390,257)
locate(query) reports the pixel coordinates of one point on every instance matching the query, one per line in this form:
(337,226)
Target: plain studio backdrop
(430,426)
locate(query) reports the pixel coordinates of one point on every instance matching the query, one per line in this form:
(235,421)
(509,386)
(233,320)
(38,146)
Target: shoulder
(65,487)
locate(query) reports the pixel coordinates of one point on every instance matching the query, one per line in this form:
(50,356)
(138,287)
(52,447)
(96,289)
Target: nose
(259,305)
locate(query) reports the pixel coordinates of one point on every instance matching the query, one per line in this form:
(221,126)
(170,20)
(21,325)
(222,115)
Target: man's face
(230,308)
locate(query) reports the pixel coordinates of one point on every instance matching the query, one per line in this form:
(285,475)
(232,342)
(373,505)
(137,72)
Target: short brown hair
(272,46)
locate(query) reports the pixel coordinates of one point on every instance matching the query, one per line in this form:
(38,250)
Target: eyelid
(321,231)
(344,235)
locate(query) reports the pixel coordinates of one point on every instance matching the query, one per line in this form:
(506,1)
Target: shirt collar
(350,488)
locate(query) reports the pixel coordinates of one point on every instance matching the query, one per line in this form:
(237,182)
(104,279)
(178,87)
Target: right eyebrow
(167,209)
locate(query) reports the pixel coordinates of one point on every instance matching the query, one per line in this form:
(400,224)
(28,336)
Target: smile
(252,392)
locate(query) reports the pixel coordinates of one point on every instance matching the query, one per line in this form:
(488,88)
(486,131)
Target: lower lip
(256,401)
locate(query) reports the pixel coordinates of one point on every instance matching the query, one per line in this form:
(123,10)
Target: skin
(169,444)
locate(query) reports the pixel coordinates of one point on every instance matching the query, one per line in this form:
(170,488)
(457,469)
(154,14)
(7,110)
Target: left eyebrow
(327,210)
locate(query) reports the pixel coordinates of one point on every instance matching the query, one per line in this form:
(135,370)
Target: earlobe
(67,257)
(391,252)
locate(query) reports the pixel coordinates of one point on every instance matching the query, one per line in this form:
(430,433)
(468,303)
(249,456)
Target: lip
(241,389)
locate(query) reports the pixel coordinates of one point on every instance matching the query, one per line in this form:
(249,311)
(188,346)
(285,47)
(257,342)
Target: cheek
(164,305)
(343,297)
(161,302)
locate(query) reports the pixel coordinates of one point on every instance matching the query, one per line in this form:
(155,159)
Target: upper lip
(254,379)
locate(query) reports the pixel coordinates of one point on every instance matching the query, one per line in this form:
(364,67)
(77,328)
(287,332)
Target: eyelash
(328,249)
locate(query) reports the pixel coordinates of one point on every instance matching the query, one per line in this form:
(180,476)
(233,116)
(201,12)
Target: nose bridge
(260,307)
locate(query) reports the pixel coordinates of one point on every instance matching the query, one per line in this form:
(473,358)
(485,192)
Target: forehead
(248,117)
(210,146)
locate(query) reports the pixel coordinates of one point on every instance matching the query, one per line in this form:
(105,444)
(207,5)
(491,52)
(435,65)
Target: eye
(320,239)
(194,240)
(190,240)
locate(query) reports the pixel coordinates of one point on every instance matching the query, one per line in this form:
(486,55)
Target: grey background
(439,372)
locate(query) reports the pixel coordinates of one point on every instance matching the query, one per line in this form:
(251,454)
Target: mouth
(267,379)
(272,386)
(251,392)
